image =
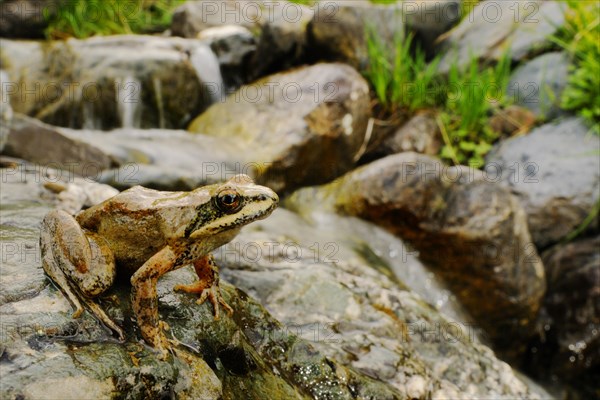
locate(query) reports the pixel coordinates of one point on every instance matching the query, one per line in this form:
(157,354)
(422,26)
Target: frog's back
(137,223)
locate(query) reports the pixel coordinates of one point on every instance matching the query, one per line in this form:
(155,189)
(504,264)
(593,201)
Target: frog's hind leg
(80,263)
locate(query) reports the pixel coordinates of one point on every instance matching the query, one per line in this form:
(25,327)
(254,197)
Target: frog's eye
(228,201)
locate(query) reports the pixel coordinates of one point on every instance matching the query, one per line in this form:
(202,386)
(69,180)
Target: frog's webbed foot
(207,285)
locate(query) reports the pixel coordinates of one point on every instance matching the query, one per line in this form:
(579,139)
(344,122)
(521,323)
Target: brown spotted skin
(146,233)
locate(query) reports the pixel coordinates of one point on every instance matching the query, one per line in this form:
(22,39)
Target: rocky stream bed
(385,273)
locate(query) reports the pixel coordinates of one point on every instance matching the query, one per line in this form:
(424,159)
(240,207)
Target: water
(5,108)
(128,96)
(208,70)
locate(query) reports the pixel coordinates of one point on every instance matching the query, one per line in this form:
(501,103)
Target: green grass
(85,18)
(580,37)
(401,78)
(404,82)
(473,94)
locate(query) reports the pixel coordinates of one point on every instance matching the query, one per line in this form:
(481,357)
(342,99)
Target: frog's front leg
(145,298)
(207,285)
(80,263)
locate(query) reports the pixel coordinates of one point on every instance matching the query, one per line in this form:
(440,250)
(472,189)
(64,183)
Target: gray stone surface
(338,29)
(361,297)
(494,27)
(555,172)
(538,84)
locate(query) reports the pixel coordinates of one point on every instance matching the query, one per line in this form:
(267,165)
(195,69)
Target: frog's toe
(213,294)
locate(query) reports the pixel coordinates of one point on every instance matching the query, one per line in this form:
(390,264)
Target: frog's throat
(229,222)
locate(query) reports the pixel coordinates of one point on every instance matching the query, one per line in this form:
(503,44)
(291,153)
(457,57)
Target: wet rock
(469,230)
(25,18)
(114,81)
(566,348)
(420,134)
(306,125)
(47,353)
(539,83)
(357,294)
(6,111)
(494,27)
(234,46)
(337,31)
(279,29)
(554,170)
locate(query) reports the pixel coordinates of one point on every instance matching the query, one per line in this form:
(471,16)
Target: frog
(142,234)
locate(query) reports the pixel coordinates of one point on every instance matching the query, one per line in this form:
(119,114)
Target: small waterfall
(128,96)
(6,110)
(208,70)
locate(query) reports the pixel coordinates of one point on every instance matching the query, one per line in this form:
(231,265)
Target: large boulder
(114,81)
(305,126)
(470,231)
(495,27)
(555,172)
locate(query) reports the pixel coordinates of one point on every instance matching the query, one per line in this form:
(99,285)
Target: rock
(356,292)
(555,172)
(234,46)
(25,19)
(569,342)
(471,232)
(279,29)
(420,134)
(305,126)
(538,84)
(48,354)
(283,39)
(337,31)
(494,27)
(429,19)
(53,149)
(161,159)
(112,81)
